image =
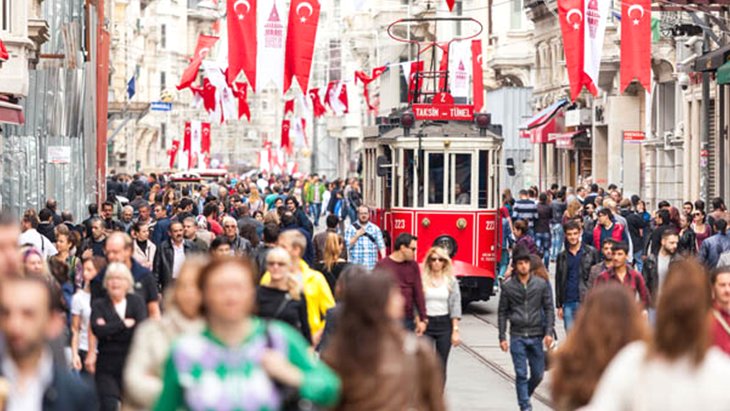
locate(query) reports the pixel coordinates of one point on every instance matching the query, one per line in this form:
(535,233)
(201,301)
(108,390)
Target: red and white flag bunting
(172,152)
(317,106)
(285,138)
(337,97)
(202,50)
(366,80)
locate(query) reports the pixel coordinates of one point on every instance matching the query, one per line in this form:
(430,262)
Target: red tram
(433,170)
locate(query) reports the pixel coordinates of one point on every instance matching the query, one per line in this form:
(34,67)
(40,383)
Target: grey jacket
(529,309)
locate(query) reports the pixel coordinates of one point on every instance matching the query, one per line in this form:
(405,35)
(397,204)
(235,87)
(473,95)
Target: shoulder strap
(282,306)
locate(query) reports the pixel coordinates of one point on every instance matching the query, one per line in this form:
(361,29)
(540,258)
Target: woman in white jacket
(677,369)
(153,339)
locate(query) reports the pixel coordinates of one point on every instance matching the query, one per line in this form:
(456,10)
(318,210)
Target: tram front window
(436,178)
(461,172)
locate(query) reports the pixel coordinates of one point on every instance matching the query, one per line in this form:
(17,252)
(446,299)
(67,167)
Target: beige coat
(147,259)
(150,348)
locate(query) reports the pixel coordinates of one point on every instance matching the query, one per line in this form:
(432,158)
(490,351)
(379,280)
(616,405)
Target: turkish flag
(205,144)
(416,67)
(366,80)
(477,75)
(285,142)
(303,20)
(572,25)
(288,106)
(187,147)
(242,40)
(202,50)
(450,3)
(172,152)
(443,66)
(336,97)
(208,95)
(636,43)
(241,93)
(317,106)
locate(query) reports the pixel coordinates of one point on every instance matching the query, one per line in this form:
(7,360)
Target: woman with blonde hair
(572,211)
(443,302)
(609,320)
(153,339)
(114,319)
(677,369)
(332,263)
(255,202)
(283,297)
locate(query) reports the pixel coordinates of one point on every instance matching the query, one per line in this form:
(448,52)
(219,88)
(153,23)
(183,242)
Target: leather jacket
(589,258)
(529,309)
(164,261)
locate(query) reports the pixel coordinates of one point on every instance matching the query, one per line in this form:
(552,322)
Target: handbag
(291,401)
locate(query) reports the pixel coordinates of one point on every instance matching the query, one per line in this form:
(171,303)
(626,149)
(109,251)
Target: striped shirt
(525,210)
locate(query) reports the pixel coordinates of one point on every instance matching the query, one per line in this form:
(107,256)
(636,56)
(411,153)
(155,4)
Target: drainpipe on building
(705,135)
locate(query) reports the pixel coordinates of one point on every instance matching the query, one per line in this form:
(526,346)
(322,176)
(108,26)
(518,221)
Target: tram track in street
(494,366)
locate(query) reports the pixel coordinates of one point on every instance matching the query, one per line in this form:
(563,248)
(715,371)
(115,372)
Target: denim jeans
(527,351)
(542,241)
(503,264)
(638,264)
(570,310)
(556,232)
(315,210)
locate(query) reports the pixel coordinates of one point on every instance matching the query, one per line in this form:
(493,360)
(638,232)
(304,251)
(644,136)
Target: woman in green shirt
(241,362)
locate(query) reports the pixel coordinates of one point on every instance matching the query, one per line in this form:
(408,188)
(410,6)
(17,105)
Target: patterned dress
(204,374)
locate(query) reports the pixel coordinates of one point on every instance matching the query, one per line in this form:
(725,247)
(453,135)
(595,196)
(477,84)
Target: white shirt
(437,299)
(29,397)
(39,242)
(632,383)
(121,308)
(178,259)
(81,306)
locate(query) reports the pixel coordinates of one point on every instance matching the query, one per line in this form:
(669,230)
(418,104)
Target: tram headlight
(407,120)
(448,243)
(482,121)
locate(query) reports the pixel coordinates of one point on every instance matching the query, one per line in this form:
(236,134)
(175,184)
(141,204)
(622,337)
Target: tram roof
(427,129)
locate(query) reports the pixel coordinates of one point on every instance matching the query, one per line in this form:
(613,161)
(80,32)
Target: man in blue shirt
(572,273)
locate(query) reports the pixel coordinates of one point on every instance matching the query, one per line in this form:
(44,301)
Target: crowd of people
(280,293)
(224,295)
(644,299)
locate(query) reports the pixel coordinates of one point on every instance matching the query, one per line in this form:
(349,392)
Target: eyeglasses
(438,259)
(276,263)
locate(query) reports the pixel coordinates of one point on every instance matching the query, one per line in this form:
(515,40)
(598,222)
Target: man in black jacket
(527,303)
(33,376)
(572,273)
(171,255)
(656,267)
(636,225)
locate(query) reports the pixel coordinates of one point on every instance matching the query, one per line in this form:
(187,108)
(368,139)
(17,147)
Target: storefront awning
(712,60)
(539,127)
(3,52)
(11,113)
(723,74)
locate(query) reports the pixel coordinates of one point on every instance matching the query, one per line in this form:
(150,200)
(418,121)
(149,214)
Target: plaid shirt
(364,251)
(633,280)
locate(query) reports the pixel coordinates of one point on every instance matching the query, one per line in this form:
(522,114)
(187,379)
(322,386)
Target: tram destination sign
(447,112)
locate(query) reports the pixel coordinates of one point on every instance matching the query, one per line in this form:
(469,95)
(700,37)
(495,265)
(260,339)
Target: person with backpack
(364,240)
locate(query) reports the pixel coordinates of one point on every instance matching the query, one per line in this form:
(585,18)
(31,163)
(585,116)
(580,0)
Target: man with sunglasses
(402,265)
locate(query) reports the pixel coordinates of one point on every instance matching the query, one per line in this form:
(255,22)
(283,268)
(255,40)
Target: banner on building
(636,43)
(241,16)
(196,145)
(478,75)
(300,40)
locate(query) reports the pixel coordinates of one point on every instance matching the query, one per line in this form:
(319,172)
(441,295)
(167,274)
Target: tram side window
(462,178)
(436,178)
(408,178)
